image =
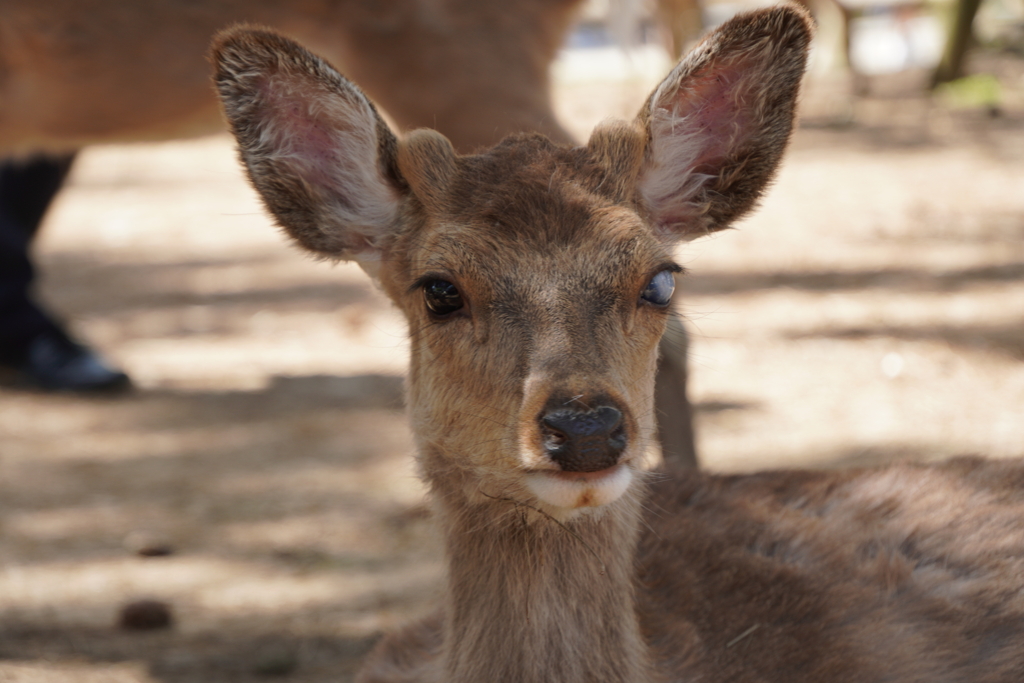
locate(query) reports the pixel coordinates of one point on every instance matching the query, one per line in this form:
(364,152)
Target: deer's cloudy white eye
(659,290)
(442,297)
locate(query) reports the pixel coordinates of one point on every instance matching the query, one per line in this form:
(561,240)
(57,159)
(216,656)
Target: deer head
(536,278)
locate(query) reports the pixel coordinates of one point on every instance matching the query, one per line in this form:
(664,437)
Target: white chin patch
(574,490)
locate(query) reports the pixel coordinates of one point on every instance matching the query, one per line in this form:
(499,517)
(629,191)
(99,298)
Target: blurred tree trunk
(959,37)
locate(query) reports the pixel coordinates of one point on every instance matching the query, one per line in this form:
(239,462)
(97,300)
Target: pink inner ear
(697,124)
(716,106)
(309,141)
(327,138)
(301,138)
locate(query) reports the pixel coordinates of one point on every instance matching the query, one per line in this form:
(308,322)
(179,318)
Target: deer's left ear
(316,150)
(718,124)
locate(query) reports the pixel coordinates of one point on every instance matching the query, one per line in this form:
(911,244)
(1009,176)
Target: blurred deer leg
(684,20)
(675,414)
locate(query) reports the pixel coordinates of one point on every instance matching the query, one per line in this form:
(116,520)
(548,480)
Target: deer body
(80,72)
(909,573)
(536,279)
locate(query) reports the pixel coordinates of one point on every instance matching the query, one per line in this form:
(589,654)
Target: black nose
(583,440)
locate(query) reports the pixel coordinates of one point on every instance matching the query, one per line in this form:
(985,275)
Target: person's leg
(31,341)
(26,189)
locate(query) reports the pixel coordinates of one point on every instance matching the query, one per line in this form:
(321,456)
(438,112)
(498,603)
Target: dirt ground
(871,310)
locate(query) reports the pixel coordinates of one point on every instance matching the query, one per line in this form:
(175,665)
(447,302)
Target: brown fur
(909,573)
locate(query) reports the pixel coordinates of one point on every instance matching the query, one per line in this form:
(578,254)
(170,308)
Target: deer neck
(530,599)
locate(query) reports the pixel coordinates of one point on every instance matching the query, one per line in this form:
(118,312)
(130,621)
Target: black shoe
(53,362)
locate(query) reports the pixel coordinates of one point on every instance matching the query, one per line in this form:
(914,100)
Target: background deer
(536,280)
(77,73)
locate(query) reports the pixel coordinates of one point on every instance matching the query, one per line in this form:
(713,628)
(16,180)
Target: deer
(537,279)
(81,72)
(76,73)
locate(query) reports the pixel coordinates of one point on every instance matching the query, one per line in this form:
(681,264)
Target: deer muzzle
(580,442)
(583,440)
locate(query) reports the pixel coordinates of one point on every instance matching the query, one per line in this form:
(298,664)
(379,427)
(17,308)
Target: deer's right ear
(718,124)
(314,147)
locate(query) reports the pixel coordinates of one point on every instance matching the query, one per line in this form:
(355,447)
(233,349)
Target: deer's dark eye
(442,297)
(659,290)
